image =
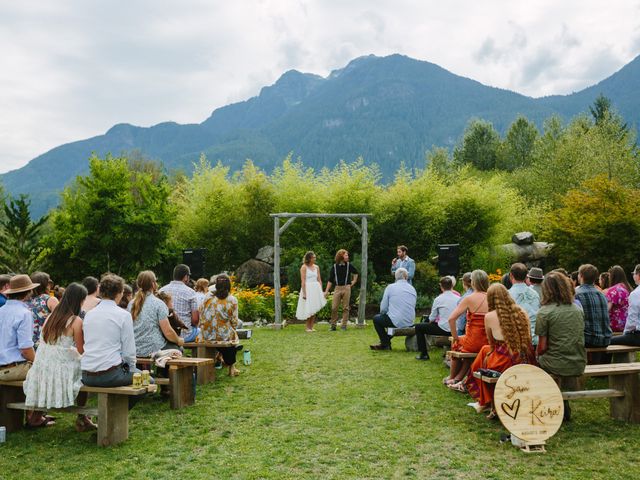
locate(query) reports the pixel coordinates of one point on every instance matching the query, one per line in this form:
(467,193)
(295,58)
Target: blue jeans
(122,376)
(191,337)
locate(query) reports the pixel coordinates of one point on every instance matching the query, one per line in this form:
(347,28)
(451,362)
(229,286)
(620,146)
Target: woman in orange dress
(509,336)
(474,337)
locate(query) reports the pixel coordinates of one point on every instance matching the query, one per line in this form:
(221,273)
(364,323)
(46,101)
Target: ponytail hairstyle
(223,286)
(69,306)
(146,282)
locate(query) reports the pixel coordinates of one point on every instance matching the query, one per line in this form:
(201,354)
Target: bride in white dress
(311,299)
(55,378)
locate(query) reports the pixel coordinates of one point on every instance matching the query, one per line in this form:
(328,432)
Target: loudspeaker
(196,258)
(448,259)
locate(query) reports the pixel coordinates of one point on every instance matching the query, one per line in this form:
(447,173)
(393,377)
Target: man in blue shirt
(16,330)
(404,261)
(4,286)
(397,309)
(524,296)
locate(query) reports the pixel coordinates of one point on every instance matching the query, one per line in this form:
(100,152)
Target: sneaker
(379,346)
(423,357)
(333,328)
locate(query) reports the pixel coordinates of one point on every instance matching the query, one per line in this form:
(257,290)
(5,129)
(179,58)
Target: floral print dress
(219,319)
(40,311)
(618,296)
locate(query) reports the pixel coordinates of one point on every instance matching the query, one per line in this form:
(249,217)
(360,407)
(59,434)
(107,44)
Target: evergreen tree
(19,236)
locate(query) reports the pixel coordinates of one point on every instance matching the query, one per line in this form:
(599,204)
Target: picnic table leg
(625,408)
(181,386)
(113,419)
(206,373)
(12,419)
(623,357)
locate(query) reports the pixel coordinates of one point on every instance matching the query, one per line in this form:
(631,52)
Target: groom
(344,276)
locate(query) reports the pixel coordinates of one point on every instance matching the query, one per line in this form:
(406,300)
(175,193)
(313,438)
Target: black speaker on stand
(196,258)
(448,259)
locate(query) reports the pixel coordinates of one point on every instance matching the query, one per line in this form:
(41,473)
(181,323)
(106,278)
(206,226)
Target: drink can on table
(137,380)
(146,378)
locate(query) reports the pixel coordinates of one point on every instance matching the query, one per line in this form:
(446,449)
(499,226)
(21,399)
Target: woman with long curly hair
(509,336)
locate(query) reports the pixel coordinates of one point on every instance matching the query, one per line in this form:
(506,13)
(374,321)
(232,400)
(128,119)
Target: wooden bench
(112,411)
(454,354)
(180,381)
(619,353)
(410,342)
(206,373)
(623,392)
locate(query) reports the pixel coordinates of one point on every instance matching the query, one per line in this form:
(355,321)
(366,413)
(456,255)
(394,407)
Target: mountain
(387,109)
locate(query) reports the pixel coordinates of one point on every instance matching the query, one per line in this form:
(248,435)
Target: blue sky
(71,69)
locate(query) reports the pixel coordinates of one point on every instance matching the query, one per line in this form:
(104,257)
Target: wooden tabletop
(210,344)
(130,390)
(180,362)
(615,349)
(611,369)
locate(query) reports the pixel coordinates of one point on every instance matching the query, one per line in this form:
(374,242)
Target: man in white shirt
(109,358)
(631,335)
(438,324)
(397,309)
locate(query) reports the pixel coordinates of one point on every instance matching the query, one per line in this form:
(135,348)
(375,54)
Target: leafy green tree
(116,219)
(20,236)
(597,223)
(480,146)
(567,156)
(519,145)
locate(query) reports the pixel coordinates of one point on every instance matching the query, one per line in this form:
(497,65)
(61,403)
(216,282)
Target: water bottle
(3,434)
(246,357)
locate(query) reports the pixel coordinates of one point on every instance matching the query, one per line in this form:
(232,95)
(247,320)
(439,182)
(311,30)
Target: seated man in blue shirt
(438,324)
(397,310)
(16,339)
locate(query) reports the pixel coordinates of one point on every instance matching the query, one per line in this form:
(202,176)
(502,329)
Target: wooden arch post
(291,217)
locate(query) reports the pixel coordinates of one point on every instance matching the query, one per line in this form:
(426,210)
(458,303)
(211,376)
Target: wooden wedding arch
(291,217)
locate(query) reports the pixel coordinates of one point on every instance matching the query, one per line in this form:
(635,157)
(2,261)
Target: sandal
(84,424)
(458,387)
(446,381)
(492,415)
(42,424)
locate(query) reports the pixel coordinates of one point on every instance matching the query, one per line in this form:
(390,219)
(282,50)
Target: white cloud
(71,69)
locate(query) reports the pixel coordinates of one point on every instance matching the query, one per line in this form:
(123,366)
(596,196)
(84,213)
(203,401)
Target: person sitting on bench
(560,328)
(631,335)
(509,334)
(54,380)
(16,339)
(109,358)
(397,309)
(219,319)
(475,336)
(438,324)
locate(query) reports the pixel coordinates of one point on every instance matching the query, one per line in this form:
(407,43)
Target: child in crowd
(175,322)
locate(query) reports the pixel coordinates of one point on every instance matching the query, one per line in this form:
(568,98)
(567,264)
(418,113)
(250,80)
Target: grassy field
(323,405)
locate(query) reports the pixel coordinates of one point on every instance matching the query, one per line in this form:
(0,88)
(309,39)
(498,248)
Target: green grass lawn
(323,405)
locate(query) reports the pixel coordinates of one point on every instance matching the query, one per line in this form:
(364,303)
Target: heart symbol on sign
(511,410)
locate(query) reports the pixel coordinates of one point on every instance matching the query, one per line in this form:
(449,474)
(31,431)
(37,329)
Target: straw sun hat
(20,283)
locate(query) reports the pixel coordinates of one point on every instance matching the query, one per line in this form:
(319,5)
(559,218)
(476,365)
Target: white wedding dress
(55,378)
(315,298)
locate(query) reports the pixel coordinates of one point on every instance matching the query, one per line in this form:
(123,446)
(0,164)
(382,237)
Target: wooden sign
(529,403)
